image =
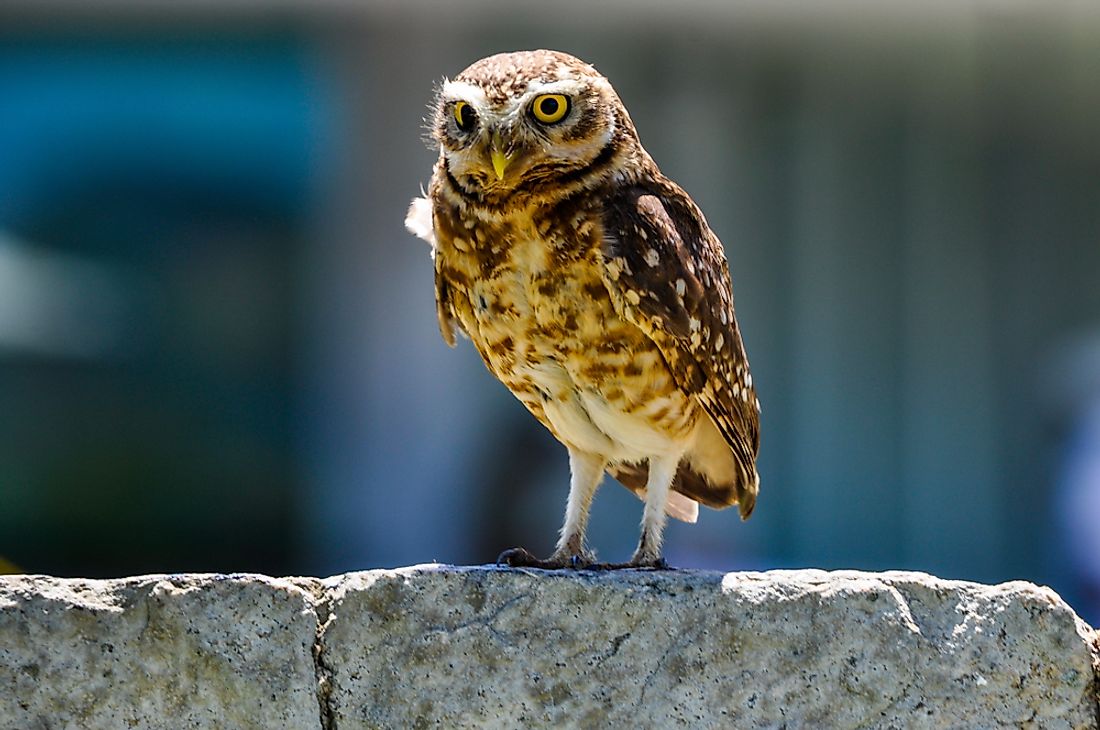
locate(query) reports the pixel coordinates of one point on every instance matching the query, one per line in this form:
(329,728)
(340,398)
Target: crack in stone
(489,622)
(323,609)
(904,611)
(683,640)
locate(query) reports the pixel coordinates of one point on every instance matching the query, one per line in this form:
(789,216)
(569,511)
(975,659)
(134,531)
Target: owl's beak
(499,157)
(500,161)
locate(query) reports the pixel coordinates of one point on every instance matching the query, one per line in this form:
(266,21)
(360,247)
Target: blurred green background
(218,347)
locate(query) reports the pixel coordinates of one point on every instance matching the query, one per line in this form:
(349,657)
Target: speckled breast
(544,323)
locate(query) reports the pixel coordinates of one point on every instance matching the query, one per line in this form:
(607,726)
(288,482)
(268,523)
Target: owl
(593,288)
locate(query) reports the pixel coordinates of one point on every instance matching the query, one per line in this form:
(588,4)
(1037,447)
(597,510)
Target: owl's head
(523,119)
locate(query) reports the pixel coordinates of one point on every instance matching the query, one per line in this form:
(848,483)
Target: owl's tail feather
(634,478)
(747,489)
(689,489)
(709,474)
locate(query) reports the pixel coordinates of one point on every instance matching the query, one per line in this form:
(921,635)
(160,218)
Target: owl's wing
(668,275)
(419,222)
(449,323)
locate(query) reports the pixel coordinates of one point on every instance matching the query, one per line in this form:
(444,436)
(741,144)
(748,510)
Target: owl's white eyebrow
(565,86)
(464,91)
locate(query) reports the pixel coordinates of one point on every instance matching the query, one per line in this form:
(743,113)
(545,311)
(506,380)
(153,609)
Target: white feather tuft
(419,220)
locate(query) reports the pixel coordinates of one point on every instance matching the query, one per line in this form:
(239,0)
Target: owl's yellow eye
(465,116)
(550,108)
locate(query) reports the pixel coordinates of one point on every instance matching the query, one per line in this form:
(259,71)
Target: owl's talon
(657,563)
(582,561)
(634,564)
(518,557)
(522,558)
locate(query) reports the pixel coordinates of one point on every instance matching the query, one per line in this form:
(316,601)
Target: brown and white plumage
(593,289)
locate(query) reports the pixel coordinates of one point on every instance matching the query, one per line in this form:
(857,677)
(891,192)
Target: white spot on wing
(652,257)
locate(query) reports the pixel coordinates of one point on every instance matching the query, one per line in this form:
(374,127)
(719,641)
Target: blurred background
(218,346)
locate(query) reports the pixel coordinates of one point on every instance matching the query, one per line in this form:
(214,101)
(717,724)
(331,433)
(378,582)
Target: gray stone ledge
(440,646)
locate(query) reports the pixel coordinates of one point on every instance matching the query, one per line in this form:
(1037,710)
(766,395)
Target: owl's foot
(521,558)
(657,563)
(644,564)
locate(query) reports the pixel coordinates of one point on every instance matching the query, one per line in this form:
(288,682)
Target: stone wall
(438,646)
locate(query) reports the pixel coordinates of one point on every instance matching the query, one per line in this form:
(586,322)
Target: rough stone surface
(179,651)
(478,648)
(437,646)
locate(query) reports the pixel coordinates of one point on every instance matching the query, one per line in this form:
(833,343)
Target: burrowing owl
(593,288)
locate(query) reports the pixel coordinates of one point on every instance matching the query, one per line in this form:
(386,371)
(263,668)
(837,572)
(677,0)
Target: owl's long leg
(662,471)
(585,473)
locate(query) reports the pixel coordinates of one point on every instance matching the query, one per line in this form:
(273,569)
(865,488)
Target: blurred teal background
(218,347)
